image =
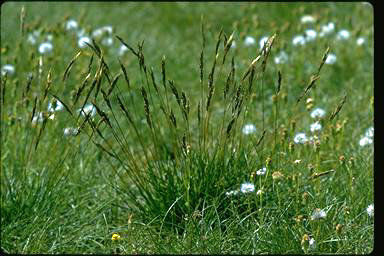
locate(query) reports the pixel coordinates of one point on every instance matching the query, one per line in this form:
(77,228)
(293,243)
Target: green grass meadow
(199,136)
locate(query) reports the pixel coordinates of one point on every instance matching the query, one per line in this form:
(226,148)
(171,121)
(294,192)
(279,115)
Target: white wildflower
(369,132)
(370,210)
(232,193)
(69,131)
(300,138)
(317,113)
(297,161)
(360,41)
(247,187)
(310,35)
(107,41)
(315,127)
(31,39)
(261,171)
(7,69)
(57,106)
(318,214)
(249,41)
(326,29)
(259,192)
(88,109)
(71,25)
(83,40)
(101,31)
(281,58)
(312,244)
(122,50)
(249,128)
(262,42)
(38,118)
(45,47)
(365,141)
(342,34)
(331,59)
(307,19)
(298,40)
(233,45)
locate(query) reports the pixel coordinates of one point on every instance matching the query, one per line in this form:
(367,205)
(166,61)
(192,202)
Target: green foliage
(152,144)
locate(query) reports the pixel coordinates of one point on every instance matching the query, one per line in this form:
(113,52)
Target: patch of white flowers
(248,129)
(45,48)
(7,69)
(300,138)
(248,41)
(318,113)
(331,59)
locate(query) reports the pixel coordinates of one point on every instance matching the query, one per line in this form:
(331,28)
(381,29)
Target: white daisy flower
(365,141)
(310,35)
(312,244)
(262,42)
(331,59)
(249,41)
(360,41)
(370,210)
(307,19)
(101,31)
(69,131)
(83,40)
(55,107)
(327,29)
(88,109)
(232,193)
(259,192)
(261,171)
(71,25)
(38,118)
(315,127)
(369,132)
(298,40)
(281,58)
(318,214)
(248,129)
(247,187)
(318,113)
(233,45)
(45,47)
(300,138)
(31,39)
(122,50)
(107,41)
(7,69)
(343,34)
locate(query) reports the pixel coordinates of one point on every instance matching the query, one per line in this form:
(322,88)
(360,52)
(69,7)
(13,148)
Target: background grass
(62,197)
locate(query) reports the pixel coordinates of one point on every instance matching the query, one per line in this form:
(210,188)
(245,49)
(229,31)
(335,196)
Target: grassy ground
(162,178)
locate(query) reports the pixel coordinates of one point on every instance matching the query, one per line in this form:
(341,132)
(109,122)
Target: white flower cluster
(245,188)
(367,139)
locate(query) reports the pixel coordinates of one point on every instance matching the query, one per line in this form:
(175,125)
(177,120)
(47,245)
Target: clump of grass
(181,164)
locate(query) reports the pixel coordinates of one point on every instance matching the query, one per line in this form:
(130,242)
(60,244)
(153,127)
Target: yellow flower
(115,237)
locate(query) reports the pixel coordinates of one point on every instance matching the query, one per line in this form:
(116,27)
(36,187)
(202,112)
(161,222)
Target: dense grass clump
(207,141)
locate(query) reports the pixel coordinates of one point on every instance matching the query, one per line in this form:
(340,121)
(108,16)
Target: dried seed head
(268,161)
(277,175)
(305,197)
(339,228)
